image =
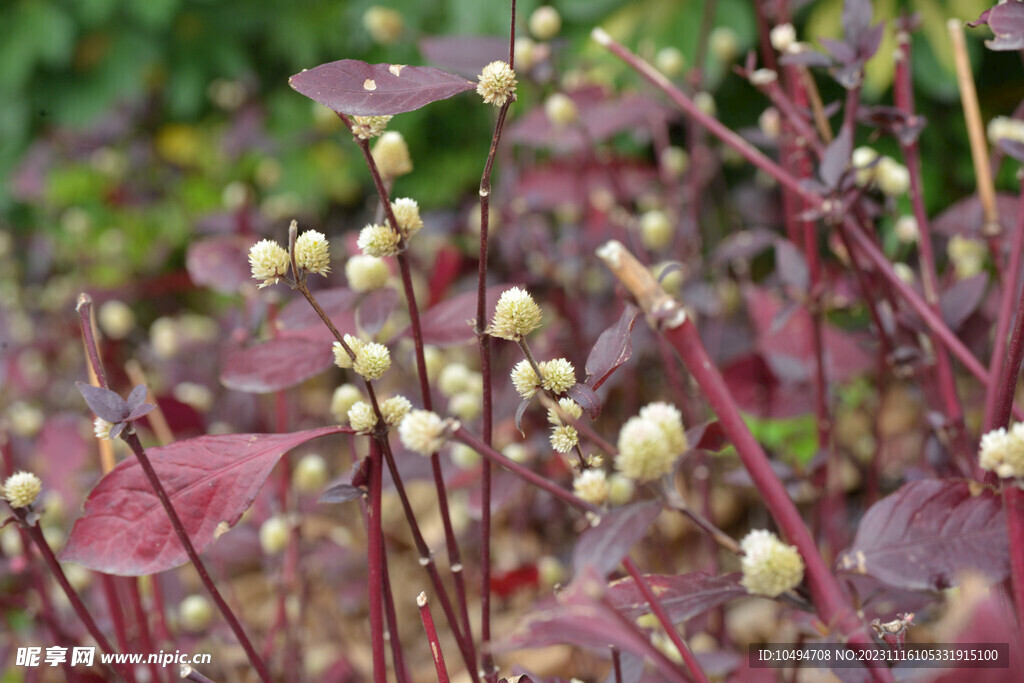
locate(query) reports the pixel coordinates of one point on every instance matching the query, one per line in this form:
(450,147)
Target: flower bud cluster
(497,83)
(650,442)
(21,489)
(1002,452)
(270,262)
(770,567)
(371,360)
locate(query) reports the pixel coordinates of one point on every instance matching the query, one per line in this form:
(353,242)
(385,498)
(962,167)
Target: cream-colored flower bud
(724,44)
(967,255)
(25,419)
(906,229)
(783,36)
(101,428)
(655,230)
(591,486)
(762,77)
(341,357)
(568,406)
(670,61)
(892,177)
(557,375)
(394,410)
(675,161)
(384,24)
(367,127)
(864,163)
(1002,452)
(464,456)
(435,361)
(423,432)
(1005,128)
(620,489)
(21,489)
(516,452)
(465,406)
(310,473)
(372,360)
(195,613)
(524,379)
(770,567)
(366,273)
(551,570)
(564,438)
(378,240)
(391,154)
(274,535)
(561,110)
(116,319)
(644,454)
(706,103)
(269,262)
(344,397)
(497,83)
(545,23)
(312,252)
(670,422)
(361,417)
(526,53)
(455,377)
(515,316)
(407,213)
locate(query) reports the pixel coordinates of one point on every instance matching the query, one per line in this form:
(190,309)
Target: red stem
(374,555)
(435,646)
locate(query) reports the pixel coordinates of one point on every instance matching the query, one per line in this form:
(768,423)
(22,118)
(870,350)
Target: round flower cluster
(592,486)
(564,438)
(770,567)
(268,261)
(407,213)
(515,316)
(967,255)
(650,442)
(361,417)
(101,428)
(391,155)
(312,252)
(344,397)
(371,360)
(558,375)
(497,83)
(21,489)
(394,410)
(1005,128)
(423,432)
(1002,451)
(366,127)
(567,406)
(379,240)
(890,176)
(366,273)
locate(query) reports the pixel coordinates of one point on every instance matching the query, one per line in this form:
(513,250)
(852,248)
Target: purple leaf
(353,87)
(790,265)
(340,493)
(928,534)
(104,403)
(835,159)
(136,397)
(809,58)
(856,18)
(683,596)
(586,398)
(140,411)
(299,319)
(1007,23)
(965,217)
(520,411)
(1012,148)
(374,309)
(613,348)
(743,245)
(465,55)
(843,53)
(449,322)
(962,299)
(603,546)
(210,481)
(219,263)
(275,364)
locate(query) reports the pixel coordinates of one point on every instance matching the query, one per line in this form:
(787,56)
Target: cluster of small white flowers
(1002,452)
(497,83)
(101,428)
(567,406)
(1005,128)
(620,489)
(423,432)
(557,375)
(892,177)
(372,360)
(385,25)
(361,417)
(670,61)
(464,456)
(592,486)
(366,273)
(560,110)
(465,405)
(644,454)
(564,438)
(524,379)
(366,127)
(456,378)
(655,229)
(378,240)
(394,410)
(783,37)
(341,357)
(407,213)
(670,421)
(269,262)
(864,160)
(312,252)
(906,229)
(770,567)
(391,155)
(967,255)
(21,489)
(515,315)
(545,23)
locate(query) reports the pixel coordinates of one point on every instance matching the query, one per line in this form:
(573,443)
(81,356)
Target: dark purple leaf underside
(586,398)
(104,402)
(613,348)
(374,309)
(450,322)
(299,319)
(275,364)
(340,493)
(835,159)
(351,86)
(928,534)
(962,299)
(603,546)
(465,55)
(210,480)
(1007,23)
(220,263)
(683,596)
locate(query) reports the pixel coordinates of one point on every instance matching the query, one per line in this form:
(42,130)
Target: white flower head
(454,378)
(497,83)
(372,360)
(545,23)
(967,255)
(465,405)
(344,397)
(655,229)
(560,110)
(378,240)
(564,438)
(783,36)
(366,273)
(361,417)
(644,454)
(407,213)
(268,261)
(1005,128)
(865,163)
(569,407)
(395,409)
(366,127)
(101,428)
(1002,452)
(670,422)
(21,489)
(770,567)
(892,177)
(423,431)
(341,357)
(391,155)
(312,252)
(524,379)
(591,486)
(516,315)
(557,375)
(620,489)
